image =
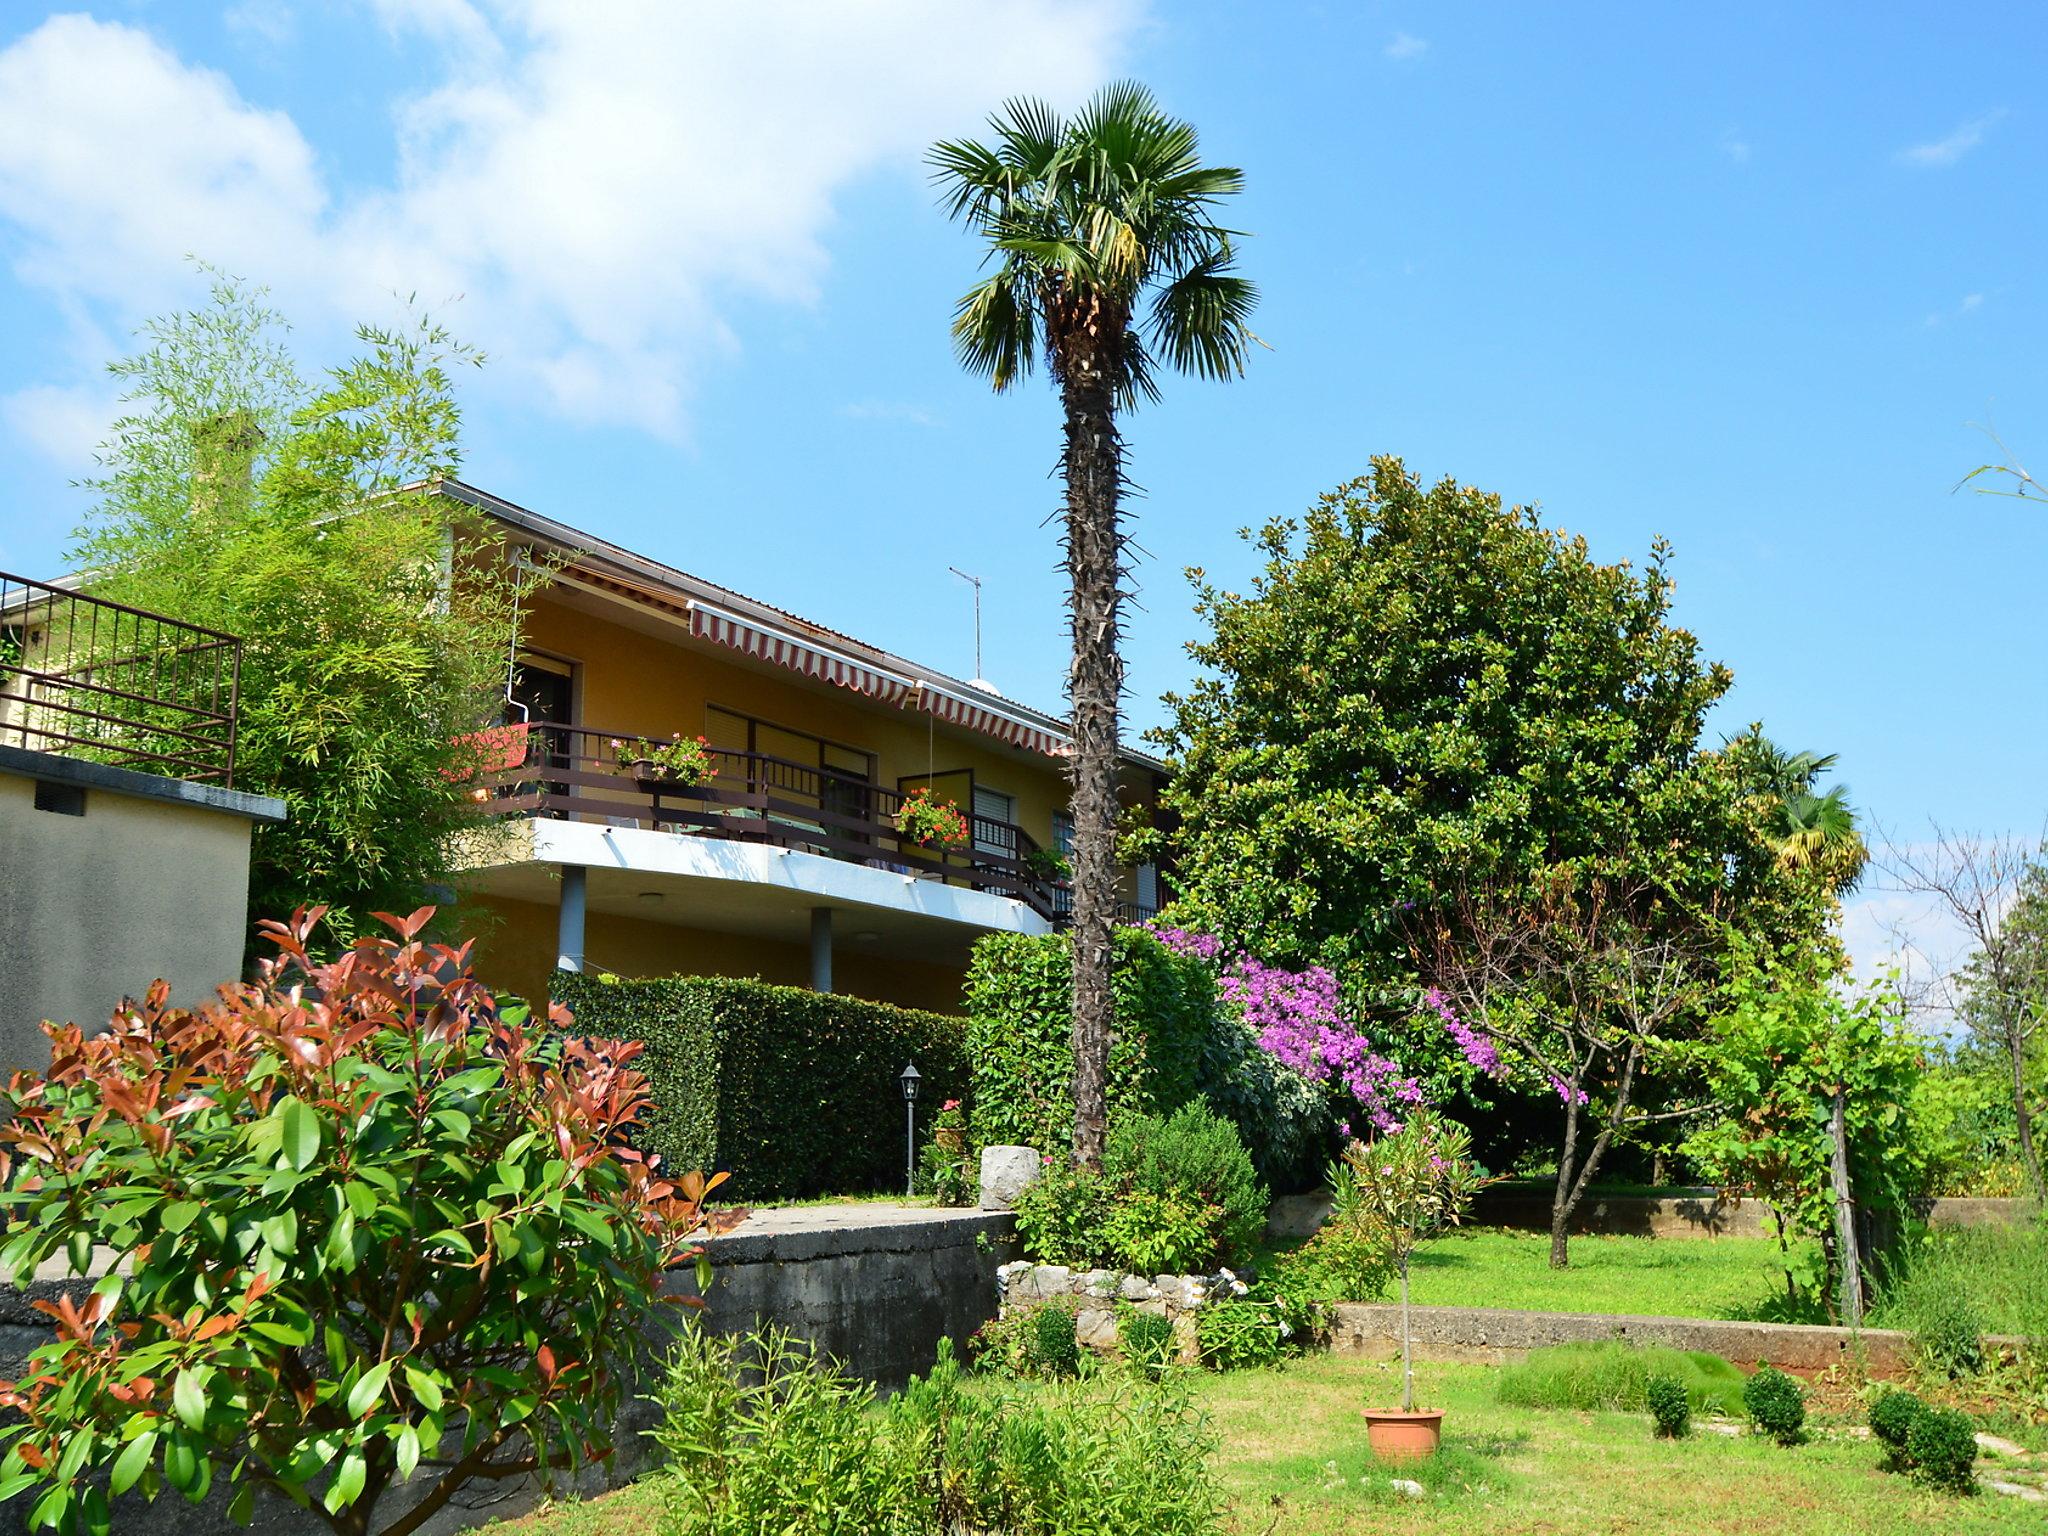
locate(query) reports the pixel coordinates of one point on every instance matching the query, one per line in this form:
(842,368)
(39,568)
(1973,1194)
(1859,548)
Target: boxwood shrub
(793,1092)
(1020,1034)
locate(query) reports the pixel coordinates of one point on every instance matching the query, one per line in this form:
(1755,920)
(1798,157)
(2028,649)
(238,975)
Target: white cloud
(64,423)
(1405,46)
(1735,146)
(1938,153)
(268,24)
(603,185)
(1968,304)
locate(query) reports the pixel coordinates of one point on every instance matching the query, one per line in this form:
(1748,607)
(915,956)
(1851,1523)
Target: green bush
(1020,1034)
(1613,1375)
(1145,1339)
(1942,1448)
(1051,1348)
(1176,1193)
(794,1092)
(1949,1336)
(797,1446)
(1237,1334)
(1670,1406)
(1776,1404)
(1892,1418)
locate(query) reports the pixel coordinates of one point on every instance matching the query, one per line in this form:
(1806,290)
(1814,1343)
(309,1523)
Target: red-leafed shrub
(370,1226)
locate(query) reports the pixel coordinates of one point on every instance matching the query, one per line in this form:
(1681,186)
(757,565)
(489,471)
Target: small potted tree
(1413,1182)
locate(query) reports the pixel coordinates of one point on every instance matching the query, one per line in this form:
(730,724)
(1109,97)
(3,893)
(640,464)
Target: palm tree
(1088,221)
(1813,830)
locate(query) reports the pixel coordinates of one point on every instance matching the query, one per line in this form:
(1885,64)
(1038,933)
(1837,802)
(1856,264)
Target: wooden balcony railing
(575,772)
(85,677)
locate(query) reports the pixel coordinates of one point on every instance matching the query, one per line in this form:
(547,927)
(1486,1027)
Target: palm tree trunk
(1093,466)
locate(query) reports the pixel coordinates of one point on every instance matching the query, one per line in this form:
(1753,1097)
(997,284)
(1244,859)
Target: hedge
(1020,1034)
(794,1092)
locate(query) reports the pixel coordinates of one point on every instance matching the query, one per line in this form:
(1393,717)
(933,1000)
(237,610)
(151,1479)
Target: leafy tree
(1789,1039)
(1425,692)
(302,518)
(364,1226)
(1108,257)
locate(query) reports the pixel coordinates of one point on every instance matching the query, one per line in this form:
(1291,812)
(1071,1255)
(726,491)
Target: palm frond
(1199,319)
(995,328)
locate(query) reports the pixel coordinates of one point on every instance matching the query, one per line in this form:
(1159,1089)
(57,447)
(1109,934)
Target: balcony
(86,678)
(578,774)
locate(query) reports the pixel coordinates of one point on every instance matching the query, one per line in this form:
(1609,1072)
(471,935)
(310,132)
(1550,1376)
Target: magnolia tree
(364,1227)
(1411,1182)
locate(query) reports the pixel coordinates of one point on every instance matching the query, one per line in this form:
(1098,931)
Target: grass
(1998,1272)
(1293,1462)
(1614,1375)
(1725,1277)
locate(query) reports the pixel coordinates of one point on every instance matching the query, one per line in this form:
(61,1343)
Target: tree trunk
(1845,1213)
(1561,1202)
(2022,1114)
(1407,1354)
(1093,465)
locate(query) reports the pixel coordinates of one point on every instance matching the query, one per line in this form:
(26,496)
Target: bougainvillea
(361,1226)
(1302,1023)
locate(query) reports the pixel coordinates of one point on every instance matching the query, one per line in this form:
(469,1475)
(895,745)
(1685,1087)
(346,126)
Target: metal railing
(86,677)
(578,773)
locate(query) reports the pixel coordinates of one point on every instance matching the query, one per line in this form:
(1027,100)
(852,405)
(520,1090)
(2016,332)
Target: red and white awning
(715,624)
(977,716)
(827,665)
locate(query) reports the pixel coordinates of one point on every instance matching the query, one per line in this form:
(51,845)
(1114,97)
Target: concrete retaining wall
(1487,1336)
(1683,1216)
(876,1287)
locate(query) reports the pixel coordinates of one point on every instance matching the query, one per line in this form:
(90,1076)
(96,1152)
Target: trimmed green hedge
(1020,1034)
(794,1092)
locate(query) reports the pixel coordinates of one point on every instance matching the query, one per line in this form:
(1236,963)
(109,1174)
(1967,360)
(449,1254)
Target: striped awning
(718,625)
(978,716)
(764,644)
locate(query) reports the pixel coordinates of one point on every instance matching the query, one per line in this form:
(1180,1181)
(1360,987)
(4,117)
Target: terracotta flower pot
(1399,1436)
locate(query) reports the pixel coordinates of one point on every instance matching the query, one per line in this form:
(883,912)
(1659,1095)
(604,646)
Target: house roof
(604,558)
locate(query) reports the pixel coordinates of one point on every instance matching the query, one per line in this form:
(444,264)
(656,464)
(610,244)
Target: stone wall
(1096,1295)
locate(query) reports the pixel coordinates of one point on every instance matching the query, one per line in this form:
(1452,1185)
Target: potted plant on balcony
(1048,864)
(1413,1182)
(681,762)
(930,823)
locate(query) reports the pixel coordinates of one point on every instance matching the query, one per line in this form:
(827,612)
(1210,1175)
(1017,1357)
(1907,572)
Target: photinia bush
(360,1225)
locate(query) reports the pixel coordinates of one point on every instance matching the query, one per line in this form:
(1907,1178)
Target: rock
(1407,1487)
(1999,1446)
(1095,1328)
(1013,1280)
(2016,1490)
(1156,1306)
(1137,1288)
(1187,1344)
(1099,1282)
(1051,1280)
(1194,1292)
(1006,1172)
(1167,1286)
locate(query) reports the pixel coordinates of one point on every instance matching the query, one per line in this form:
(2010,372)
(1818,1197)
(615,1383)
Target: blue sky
(1742,278)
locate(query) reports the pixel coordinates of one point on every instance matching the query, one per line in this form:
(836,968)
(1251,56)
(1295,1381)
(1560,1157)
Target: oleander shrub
(1776,1404)
(362,1225)
(1892,1418)
(1145,1339)
(1670,1406)
(793,1092)
(1942,1449)
(1610,1374)
(764,1437)
(1019,1034)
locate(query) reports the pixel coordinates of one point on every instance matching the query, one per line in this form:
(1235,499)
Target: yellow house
(789,863)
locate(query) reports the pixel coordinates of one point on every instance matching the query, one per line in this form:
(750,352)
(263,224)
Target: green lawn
(1723,1277)
(1293,1463)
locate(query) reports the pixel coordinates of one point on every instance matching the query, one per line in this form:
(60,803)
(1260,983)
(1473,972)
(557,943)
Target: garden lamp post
(909,1081)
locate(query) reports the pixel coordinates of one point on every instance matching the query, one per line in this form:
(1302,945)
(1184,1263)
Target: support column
(821,949)
(569,922)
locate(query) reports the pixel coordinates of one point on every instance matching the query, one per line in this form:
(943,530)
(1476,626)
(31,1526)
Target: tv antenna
(974,582)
